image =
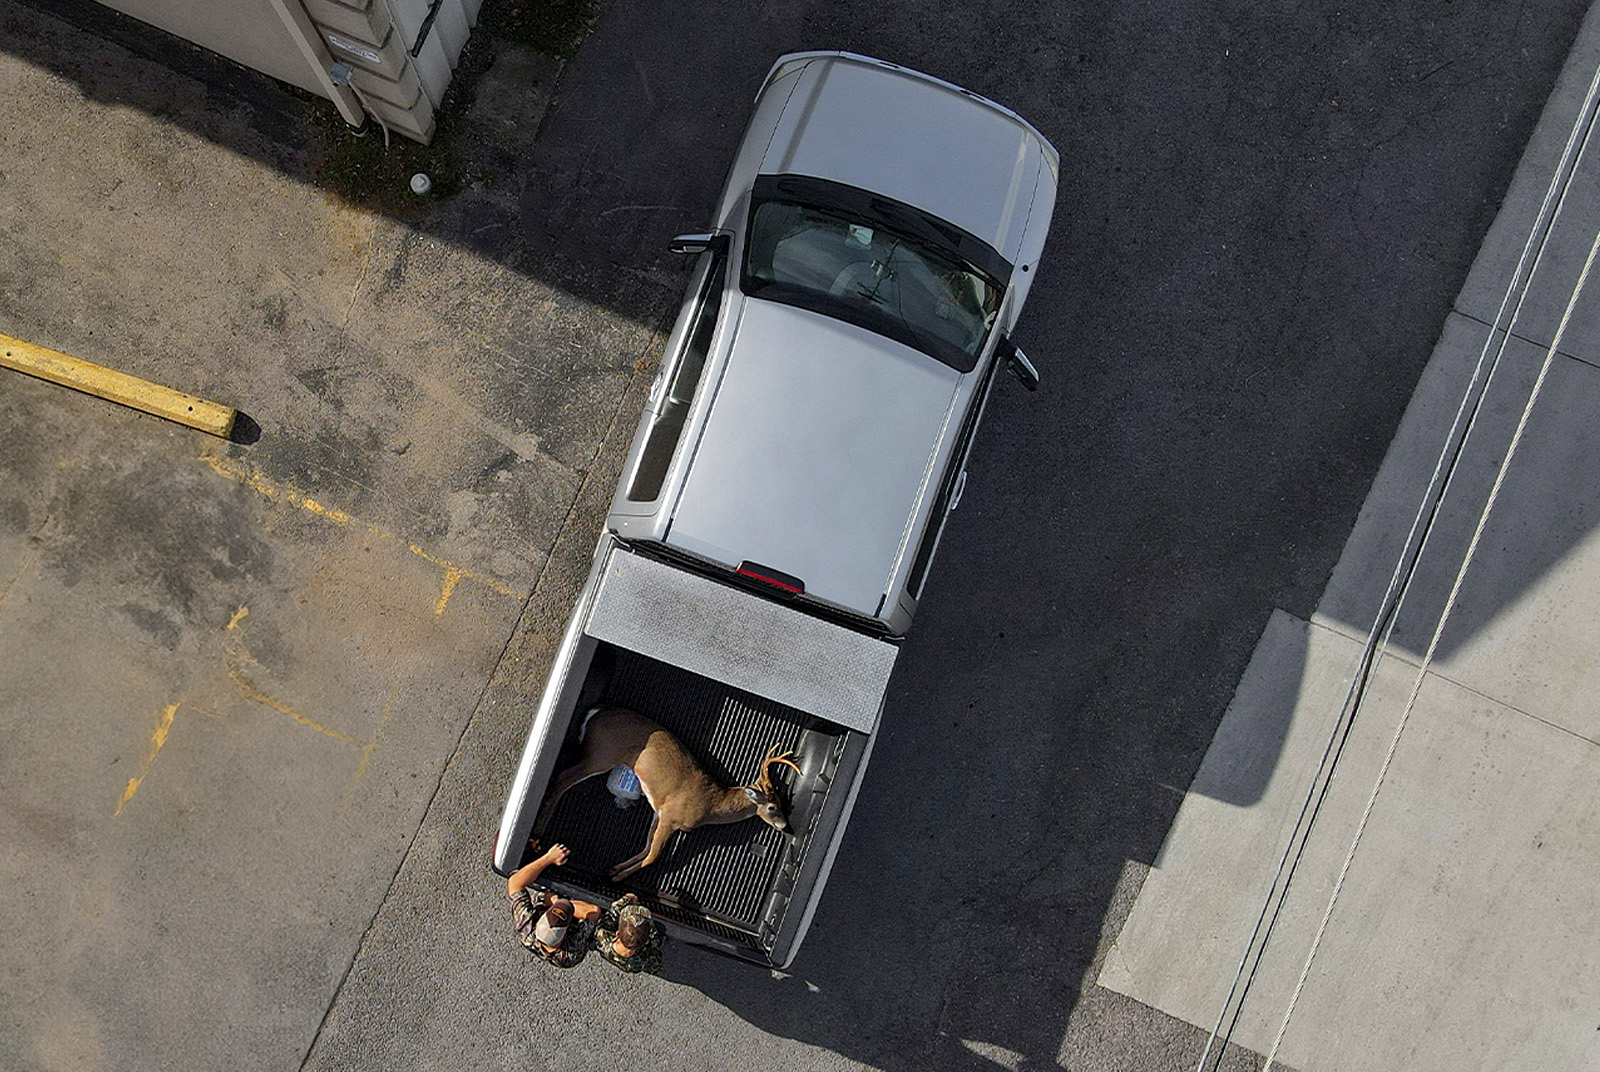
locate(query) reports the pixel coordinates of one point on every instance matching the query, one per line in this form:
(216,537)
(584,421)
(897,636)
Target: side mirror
(1018,363)
(695,244)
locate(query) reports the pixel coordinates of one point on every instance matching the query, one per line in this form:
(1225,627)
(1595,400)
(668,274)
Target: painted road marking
(235,657)
(235,654)
(371,746)
(157,739)
(275,491)
(451,576)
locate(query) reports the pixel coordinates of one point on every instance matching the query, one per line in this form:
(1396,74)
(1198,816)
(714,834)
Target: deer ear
(750,791)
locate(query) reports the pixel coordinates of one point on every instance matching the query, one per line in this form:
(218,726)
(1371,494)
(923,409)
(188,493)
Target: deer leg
(564,781)
(631,864)
(659,833)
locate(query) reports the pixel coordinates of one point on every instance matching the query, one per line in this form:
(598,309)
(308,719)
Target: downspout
(315,53)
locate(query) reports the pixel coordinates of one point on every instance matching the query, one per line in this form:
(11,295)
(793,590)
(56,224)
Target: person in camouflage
(628,937)
(550,926)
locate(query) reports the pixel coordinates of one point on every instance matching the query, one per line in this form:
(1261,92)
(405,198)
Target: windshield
(859,269)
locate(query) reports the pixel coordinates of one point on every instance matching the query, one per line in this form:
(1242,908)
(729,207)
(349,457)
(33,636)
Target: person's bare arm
(530,872)
(583,910)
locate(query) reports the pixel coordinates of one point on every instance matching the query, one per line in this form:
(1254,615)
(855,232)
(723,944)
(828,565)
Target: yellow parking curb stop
(117,387)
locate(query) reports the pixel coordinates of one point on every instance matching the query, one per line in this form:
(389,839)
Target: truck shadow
(1038,741)
(1041,735)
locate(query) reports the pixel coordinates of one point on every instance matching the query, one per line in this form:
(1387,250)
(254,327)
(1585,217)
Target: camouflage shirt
(527,905)
(647,959)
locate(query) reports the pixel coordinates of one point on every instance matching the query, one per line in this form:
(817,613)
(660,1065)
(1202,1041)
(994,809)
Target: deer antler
(774,756)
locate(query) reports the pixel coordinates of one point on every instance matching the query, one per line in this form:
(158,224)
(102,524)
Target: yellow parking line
(451,578)
(275,491)
(157,739)
(372,745)
(250,691)
(235,657)
(115,386)
(451,567)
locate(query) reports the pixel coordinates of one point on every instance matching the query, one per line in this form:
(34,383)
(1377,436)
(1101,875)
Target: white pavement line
(1538,235)
(1433,643)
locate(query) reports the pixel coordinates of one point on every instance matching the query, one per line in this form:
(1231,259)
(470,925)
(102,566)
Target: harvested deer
(682,794)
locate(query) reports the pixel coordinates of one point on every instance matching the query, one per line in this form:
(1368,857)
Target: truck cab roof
(816,453)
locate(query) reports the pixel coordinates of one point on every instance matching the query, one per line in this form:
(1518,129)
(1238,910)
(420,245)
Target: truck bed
(730,880)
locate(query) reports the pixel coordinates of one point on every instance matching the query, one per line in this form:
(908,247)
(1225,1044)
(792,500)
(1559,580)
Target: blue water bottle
(624,786)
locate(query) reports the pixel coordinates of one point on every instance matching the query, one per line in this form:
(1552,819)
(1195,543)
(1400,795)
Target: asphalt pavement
(1266,217)
(1392,825)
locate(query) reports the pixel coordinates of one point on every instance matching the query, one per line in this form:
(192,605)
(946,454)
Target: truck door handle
(955,496)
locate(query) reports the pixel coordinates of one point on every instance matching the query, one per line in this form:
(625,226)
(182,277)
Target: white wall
(247,31)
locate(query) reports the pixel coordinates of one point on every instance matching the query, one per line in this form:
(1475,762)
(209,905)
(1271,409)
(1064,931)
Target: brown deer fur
(682,794)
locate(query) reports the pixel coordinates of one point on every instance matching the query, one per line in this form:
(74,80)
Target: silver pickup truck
(805,440)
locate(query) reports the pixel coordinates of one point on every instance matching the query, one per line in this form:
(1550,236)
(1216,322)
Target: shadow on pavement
(481,161)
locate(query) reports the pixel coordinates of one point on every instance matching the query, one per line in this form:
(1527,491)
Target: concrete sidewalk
(1463,929)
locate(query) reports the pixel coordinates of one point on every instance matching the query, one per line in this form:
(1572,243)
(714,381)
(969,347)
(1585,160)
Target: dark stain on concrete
(274,311)
(431,522)
(14,516)
(174,545)
(321,382)
(331,461)
(491,477)
(69,572)
(396,274)
(161,628)
(23,451)
(261,642)
(57,830)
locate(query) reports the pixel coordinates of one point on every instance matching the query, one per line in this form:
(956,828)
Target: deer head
(764,795)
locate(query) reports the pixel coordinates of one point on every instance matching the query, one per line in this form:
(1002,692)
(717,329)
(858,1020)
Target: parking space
(225,712)
(234,672)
